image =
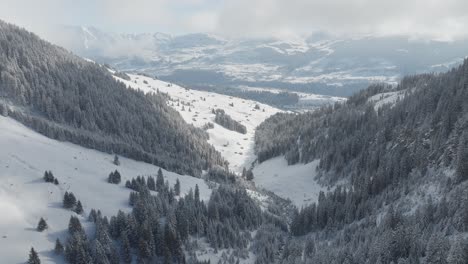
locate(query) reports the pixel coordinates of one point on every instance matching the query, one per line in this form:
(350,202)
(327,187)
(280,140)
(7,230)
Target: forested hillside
(65,97)
(399,173)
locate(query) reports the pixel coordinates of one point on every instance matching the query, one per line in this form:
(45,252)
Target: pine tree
(177,188)
(197,193)
(48,176)
(151,183)
(42,225)
(74,225)
(69,200)
(79,208)
(160,181)
(58,247)
(33,257)
(116,160)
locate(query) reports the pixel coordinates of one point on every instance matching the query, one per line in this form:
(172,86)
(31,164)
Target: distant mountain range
(319,63)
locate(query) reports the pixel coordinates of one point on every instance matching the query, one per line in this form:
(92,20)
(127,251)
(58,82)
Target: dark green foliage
(114,177)
(116,160)
(177,188)
(42,225)
(159,180)
(74,226)
(69,200)
(33,257)
(78,208)
(221,176)
(58,247)
(48,176)
(224,120)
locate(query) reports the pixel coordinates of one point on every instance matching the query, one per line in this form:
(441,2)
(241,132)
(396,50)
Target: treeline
(226,121)
(67,98)
(160,227)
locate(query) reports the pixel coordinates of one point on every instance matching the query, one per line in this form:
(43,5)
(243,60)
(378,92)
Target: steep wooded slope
(67,98)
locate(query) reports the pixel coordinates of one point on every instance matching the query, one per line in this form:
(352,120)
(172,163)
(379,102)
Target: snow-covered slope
(196,108)
(388,98)
(25,197)
(296,182)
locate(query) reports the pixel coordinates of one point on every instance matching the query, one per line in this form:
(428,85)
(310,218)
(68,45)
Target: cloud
(442,19)
(426,18)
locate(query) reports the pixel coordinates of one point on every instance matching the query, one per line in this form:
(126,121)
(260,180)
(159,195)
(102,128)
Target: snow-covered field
(196,108)
(296,182)
(25,197)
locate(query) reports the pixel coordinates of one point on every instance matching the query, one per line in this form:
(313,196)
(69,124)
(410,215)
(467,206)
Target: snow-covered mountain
(319,63)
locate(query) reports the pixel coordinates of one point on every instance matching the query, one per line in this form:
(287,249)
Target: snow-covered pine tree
(33,257)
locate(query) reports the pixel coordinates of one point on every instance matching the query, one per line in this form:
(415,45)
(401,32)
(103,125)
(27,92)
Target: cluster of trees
(386,155)
(140,182)
(49,177)
(224,120)
(68,98)
(70,202)
(226,221)
(114,177)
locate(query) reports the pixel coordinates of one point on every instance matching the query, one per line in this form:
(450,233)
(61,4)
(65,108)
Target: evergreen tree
(116,160)
(197,193)
(79,208)
(74,225)
(177,188)
(69,200)
(48,176)
(33,257)
(42,225)
(151,183)
(159,181)
(58,247)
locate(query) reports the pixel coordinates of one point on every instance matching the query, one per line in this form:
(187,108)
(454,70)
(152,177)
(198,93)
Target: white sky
(434,19)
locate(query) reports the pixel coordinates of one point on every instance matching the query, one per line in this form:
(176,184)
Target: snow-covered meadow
(196,108)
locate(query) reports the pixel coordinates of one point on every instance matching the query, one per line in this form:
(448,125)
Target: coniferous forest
(395,175)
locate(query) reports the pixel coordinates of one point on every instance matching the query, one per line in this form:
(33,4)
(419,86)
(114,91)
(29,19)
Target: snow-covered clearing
(196,108)
(25,197)
(296,182)
(390,98)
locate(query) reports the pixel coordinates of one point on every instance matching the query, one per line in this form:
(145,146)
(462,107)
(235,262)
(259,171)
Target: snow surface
(25,197)
(236,148)
(390,98)
(296,182)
